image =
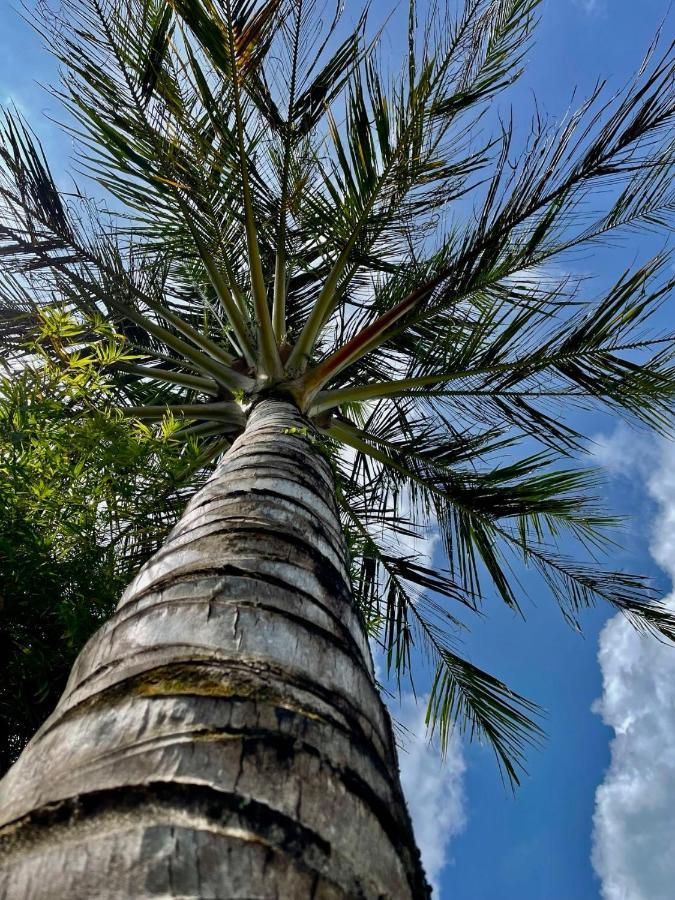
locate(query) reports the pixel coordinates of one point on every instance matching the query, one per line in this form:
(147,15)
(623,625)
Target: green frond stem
(225,296)
(231,306)
(215,361)
(545,485)
(345,434)
(354,438)
(553,202)
(227,377)
(236,291)
(329,296)
(211,107)
(520,492)
(321,311)
(404,387)
(533,364)
(269,360)
(226,412)
(362,342)
(214,350)
(200,340)
(572,585)
(326,400)
(206,96)
(426,314)
(480,526)
(197,432)
(516,264)
(279,300)
(221,288)
(221,359)
(145,352)
(268,352)
(194,382)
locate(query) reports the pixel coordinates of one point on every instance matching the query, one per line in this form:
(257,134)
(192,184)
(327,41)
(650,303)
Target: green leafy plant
(85,499)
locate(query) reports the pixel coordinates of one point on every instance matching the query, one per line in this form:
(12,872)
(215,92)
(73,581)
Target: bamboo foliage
(283,193)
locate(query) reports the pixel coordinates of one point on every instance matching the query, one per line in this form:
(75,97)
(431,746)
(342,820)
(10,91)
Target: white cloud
(634,820)
(624,452)
(433,787)
(592,6)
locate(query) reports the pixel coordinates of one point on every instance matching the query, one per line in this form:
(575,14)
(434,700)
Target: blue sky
(538,844)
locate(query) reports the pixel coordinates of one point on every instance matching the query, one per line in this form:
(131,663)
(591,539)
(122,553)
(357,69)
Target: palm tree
(336,281)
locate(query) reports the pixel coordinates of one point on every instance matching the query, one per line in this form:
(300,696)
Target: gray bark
(221,736)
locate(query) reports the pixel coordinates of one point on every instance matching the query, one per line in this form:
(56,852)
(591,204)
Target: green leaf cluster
(86,498)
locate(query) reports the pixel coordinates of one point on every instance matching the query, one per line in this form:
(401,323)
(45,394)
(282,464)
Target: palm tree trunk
(221,736)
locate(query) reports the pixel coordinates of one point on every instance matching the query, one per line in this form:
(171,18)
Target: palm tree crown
(294,219)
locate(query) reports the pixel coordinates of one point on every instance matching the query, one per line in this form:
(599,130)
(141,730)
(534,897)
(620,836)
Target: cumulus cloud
(434,787)
(624,452)
(634,820)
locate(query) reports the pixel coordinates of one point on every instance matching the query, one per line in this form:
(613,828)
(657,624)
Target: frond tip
(464,696)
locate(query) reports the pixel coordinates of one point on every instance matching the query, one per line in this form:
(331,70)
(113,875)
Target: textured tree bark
(221,736)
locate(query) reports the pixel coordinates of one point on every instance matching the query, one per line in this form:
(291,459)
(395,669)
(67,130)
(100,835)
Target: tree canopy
(286,214)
